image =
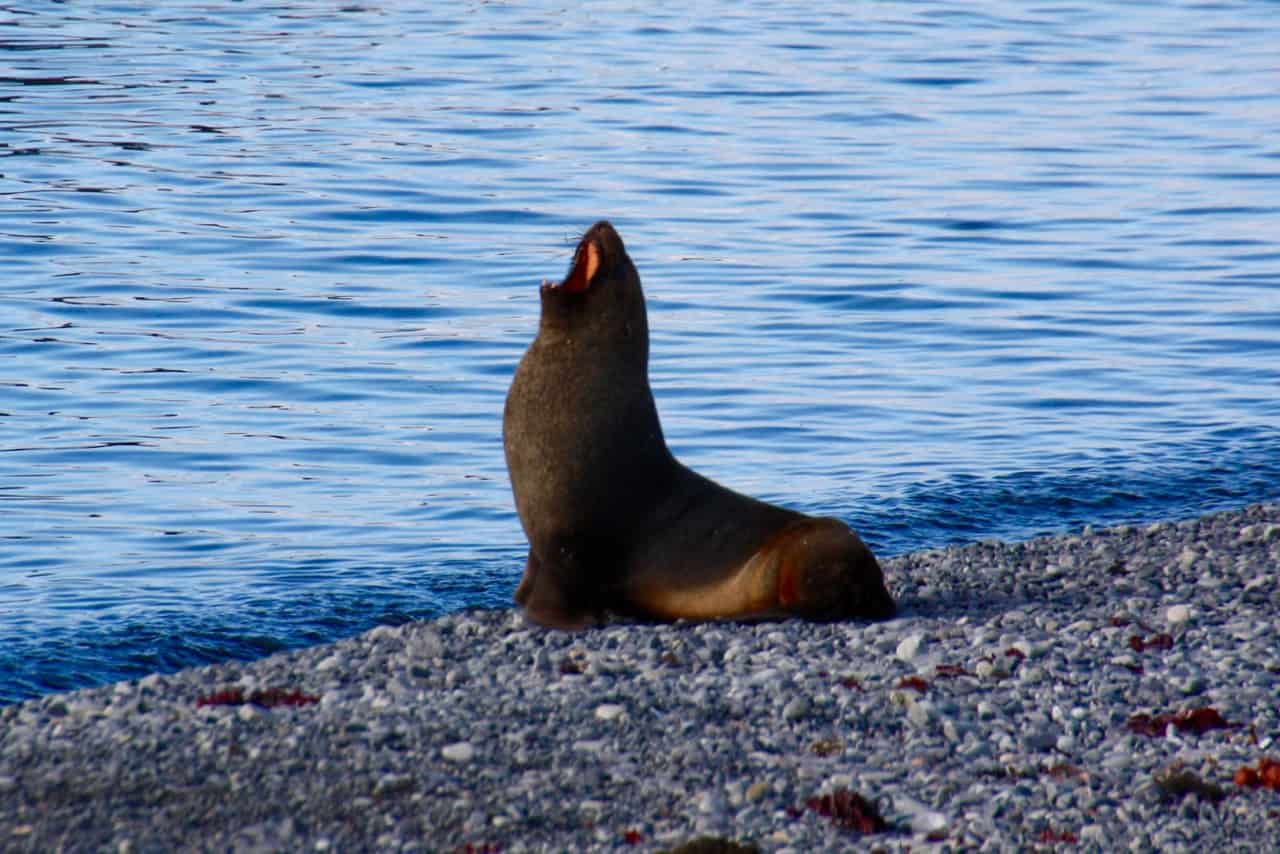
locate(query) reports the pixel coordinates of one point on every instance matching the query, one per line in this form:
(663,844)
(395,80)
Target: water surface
(948,273)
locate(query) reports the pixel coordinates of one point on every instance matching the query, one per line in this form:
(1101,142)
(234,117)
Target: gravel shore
(1065,693)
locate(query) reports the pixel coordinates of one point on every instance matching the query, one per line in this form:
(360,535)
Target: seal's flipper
(543,597)
(525,588)
(828,573)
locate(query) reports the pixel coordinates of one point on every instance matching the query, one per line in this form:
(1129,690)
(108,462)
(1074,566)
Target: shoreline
(997,710)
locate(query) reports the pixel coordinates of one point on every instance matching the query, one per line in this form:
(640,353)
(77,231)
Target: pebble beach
(1111,689)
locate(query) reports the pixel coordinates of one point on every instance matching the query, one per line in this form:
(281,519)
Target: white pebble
(460,752)
(609,711)
(1178,614)
(910,647)
(921,713)
(796,709)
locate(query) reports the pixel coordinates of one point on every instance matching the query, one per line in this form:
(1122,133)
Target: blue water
(946,271)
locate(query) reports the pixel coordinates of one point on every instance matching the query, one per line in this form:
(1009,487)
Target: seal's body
(615,523)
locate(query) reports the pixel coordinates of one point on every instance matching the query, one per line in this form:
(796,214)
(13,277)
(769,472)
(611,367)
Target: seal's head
(600,295)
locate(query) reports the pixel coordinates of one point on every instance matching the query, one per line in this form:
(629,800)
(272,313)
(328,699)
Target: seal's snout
(597,251)
(604,234)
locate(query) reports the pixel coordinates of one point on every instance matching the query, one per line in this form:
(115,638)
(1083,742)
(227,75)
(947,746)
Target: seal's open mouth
(585,264)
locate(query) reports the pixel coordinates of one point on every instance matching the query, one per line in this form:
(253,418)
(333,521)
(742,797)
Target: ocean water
(946,271)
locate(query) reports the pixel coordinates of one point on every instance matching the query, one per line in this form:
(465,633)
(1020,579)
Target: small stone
(910,647)
(1094,834)
(1178,614)
(460,752)
(1031,674)
(757,790)
(709,803)
(609,711)
(796,709)
(389,784)
(923,821)
(921,713)
(1040,738)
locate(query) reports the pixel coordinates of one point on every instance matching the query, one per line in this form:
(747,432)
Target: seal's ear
(585,265)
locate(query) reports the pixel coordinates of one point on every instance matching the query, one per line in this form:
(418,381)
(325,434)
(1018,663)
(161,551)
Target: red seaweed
(849,810)
(914,682)
(1160,641)
(269,698)
(1266,775)
(1049,836)
(228,697)
(1198,721)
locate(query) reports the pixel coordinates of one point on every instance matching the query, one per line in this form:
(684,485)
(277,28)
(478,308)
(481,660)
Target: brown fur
(615,523)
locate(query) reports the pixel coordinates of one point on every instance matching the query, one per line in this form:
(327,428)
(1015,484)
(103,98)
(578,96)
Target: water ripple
(946,272)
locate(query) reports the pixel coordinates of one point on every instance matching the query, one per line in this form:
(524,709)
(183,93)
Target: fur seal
(615,523)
